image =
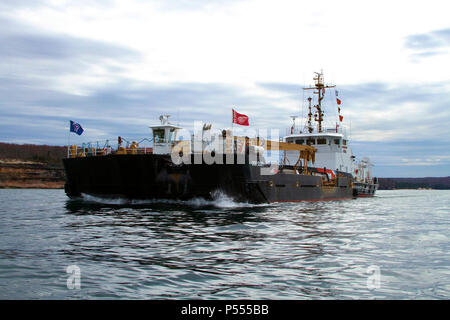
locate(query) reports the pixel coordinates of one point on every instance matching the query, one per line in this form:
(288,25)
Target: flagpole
(232,122)
(68,143)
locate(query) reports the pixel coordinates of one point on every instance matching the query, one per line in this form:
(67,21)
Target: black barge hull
(151,176)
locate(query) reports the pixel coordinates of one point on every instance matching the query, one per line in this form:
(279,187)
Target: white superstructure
(332,153)
(332,144)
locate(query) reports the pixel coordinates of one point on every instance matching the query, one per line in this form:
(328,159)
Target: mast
(310,128)
(320,87)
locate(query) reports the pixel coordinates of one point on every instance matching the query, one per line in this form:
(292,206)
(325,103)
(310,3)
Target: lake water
(393,246)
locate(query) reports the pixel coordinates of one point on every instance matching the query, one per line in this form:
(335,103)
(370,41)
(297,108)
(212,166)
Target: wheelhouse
(164,136)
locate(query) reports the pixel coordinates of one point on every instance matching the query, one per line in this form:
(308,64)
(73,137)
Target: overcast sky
(115,66)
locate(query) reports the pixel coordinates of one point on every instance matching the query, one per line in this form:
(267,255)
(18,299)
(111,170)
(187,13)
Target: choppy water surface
(225,250)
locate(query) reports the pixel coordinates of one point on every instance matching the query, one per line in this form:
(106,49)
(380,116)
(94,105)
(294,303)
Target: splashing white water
(219,200)
(115,201)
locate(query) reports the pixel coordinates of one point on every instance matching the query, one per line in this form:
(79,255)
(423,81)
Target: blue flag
(76,127)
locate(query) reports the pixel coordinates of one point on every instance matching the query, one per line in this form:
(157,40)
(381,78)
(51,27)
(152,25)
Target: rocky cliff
(31,166)
(27,174)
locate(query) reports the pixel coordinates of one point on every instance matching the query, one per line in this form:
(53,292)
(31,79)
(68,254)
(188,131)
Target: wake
(219,200)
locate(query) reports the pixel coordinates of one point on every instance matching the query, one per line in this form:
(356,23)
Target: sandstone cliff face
(28,174)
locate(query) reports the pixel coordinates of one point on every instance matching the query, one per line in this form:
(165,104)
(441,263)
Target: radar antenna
(164,118)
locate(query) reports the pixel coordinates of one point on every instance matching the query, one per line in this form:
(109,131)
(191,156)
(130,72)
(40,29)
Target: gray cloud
(8,5)
(33,62)
(427,54)
(23,41)
(417,158)
(430,40)
(429,44)
(37,46)
(379,96)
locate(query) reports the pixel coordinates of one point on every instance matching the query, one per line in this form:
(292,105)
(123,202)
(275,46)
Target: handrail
(93,148)
(104,147)
(342,130)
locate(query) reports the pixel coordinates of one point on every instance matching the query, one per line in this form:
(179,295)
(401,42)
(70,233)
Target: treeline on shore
(51,155)
(414,183)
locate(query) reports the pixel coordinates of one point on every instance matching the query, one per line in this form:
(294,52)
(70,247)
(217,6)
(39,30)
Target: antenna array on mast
(320,87)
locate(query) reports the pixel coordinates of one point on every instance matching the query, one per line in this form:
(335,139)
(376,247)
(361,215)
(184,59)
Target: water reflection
(224,250)
(217,245)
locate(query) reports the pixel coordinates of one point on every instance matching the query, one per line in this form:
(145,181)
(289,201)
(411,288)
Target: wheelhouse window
(322,141)
(158,135)
(171,135)
(301,141)
(336,141)
(344,142)
(310,142)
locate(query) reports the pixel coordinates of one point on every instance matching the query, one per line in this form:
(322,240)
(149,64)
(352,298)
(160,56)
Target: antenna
(310,128)
(320,87)
(293,124)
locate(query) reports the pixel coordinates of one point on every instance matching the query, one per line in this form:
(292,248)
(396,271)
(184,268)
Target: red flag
(341,118)
(240,119)
(338,101)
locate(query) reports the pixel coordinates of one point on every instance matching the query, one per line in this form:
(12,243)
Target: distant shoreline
(435,183)
(36,185)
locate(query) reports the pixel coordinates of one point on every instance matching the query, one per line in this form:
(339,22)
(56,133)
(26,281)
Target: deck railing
(105,147)
(297,130)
